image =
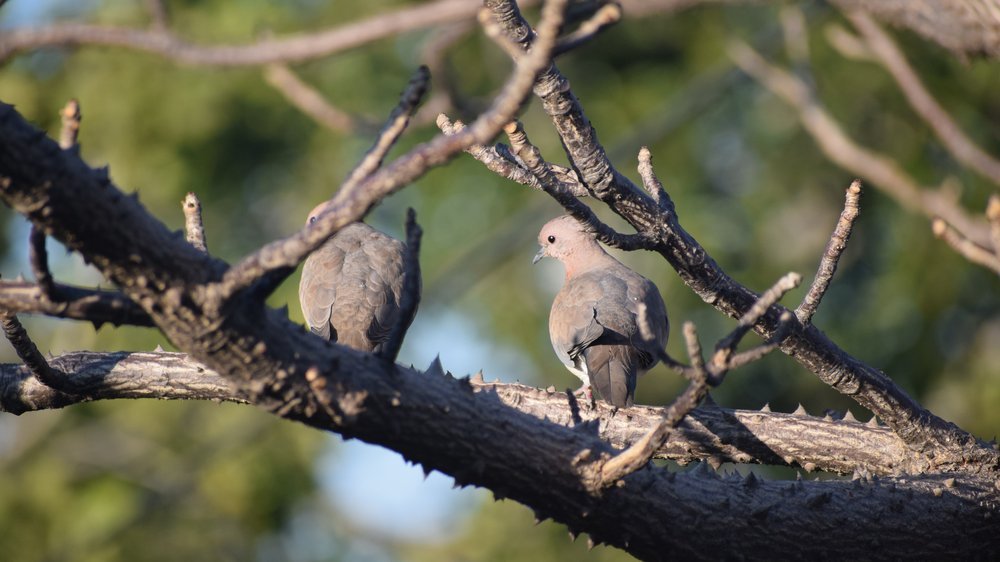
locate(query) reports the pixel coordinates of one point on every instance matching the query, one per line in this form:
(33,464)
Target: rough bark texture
(938,496)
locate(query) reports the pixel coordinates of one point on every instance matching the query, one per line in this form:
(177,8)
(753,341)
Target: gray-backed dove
(594,321)
(351,286)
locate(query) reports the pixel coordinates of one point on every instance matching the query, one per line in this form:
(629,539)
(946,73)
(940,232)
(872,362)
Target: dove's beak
(541,254)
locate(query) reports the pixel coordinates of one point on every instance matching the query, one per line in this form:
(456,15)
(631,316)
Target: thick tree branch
(659,222)
(350,205)
(709,433)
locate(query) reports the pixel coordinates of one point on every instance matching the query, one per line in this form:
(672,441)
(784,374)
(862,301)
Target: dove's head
(317,211)
(565,239)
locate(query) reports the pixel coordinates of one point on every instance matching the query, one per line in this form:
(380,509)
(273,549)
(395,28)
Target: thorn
(435,367)
(949,483)
(159,348)
(750,481)
(551,389)
(789,459)
(427,470)
(714,462)
(477,378)
(937,492)
(809,466)
(828,418)
(766,408)
(573,535)
(591,543)
(708,402)
(800,411)
(849,417)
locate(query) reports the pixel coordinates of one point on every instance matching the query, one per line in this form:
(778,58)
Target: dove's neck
(581,262)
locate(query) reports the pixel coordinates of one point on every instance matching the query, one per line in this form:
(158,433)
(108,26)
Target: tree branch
(659,223)
(352,204)
(193,225)
(296,48)
(881,171)
(831,256)
(75,303)
(309,101)
(957,143)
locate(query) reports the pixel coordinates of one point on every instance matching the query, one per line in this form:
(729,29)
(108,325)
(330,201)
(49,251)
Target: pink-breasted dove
(351,286)
(594,321)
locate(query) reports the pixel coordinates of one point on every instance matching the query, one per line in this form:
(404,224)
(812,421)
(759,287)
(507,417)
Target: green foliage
(149,481)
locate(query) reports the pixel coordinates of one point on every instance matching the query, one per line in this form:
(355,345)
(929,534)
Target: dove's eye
(312,220)
(552,239)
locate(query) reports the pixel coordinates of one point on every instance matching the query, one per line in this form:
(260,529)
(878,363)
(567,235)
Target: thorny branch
(702,375)
(658,222)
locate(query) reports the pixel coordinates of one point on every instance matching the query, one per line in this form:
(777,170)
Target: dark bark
(939,497)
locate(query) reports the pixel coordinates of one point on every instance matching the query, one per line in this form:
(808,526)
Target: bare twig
(296,48)
(533,161)
(951,135)
(75,303)
(966,248)
(649,180)
(702,375)
(605,16)
(350,205)
(393,128)
(993,216)
(71,118)
(498,159)
(880,170)
(29,354)
(309,101)
(831,256)
(193,225)
(410,298)
(39,260)
(642,451)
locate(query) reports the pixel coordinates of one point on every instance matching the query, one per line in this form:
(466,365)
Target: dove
(594,320)
(351,286)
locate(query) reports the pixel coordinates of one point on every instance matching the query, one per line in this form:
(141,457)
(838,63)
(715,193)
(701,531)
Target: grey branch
(831,256)
(71,117)
(76,303)
(892,58)
(309,101)
(193,225)
(879,170)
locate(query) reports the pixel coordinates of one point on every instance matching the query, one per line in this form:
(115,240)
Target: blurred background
(146,480)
